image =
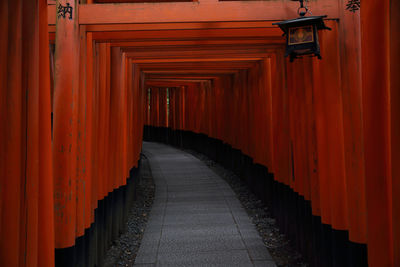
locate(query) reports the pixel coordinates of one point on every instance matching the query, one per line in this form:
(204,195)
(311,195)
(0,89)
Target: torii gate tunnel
(83,83)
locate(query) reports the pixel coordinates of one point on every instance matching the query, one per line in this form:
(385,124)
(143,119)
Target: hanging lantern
(302,33)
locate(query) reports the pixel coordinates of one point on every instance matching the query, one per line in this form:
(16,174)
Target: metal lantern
(302,33)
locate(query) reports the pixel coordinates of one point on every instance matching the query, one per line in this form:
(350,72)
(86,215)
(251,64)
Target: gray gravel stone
(124,250)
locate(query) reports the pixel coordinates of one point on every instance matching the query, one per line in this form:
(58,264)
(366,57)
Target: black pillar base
(110,217)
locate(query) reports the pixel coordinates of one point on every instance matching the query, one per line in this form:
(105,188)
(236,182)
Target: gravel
(283,253)
(124,250)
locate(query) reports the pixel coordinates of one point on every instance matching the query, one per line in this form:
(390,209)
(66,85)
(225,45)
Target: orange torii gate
(331,124)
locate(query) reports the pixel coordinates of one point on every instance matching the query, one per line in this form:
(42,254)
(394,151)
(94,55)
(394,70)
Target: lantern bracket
(303,9)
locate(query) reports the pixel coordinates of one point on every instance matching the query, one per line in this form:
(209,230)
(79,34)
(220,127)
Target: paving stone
(146,256)
(212,230)
(210,258)
(199,219)
(184,211)
(264,264)
(201,244)
(248,232)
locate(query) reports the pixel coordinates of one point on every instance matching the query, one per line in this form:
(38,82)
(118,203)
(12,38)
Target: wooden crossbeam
(196,34)
(188,52)
(272,42)
(193,60)
(202,11)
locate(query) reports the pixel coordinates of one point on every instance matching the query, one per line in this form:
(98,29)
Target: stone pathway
(196,219)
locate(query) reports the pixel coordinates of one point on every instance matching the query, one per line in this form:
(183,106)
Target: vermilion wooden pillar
(300,110)
(162,101)
(82,180)
(242,121)
(171,117)
(124,154)
(138,83)
(107,108)
(95,126)
(130,114)
(89,205)
(329,132)
(395,125)
(280,122)
(376,118)
(142,97)
(211,109)
(154,112)
(65,124)
(12,133)
(311,181)
(3,84)
(46,197)
(101,114)
(183,90)
(296,122)
(266,94)
(350,58)
(201,108)
(30,117)
(235,90)
(108,147)
(116,118)
(26,178)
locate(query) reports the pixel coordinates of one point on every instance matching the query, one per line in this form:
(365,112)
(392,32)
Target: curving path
(196,219)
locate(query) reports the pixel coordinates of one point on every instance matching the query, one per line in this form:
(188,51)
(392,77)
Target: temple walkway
(196,219)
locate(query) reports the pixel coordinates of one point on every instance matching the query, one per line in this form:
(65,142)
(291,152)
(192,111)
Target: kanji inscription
(353,5)
(62,11)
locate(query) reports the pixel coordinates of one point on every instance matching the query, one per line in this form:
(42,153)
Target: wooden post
(3,101)
(376,121)
(350,57)
(280,122)
(66,91)
(101,127)
(124,101)
(29,208)
(115,117)
(46,200)
(89,130)
(12,147)
(82,180)
(329,132)
(395,126)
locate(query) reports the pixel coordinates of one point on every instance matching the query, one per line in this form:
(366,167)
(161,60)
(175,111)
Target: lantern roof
(303,21)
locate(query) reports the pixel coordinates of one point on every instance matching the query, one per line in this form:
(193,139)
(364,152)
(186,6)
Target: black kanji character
(63,10)
(353,5)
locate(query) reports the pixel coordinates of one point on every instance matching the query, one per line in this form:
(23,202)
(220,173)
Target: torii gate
(102,45)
